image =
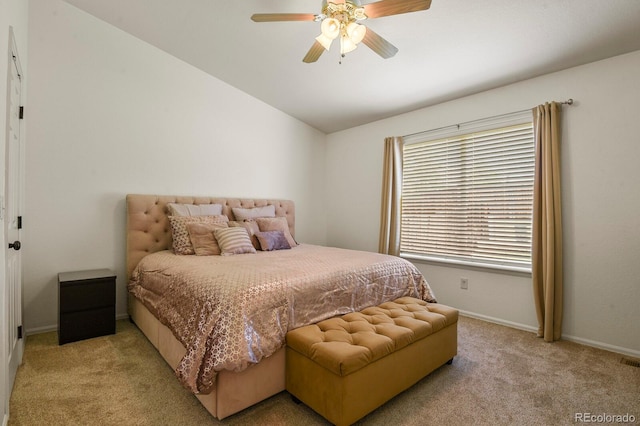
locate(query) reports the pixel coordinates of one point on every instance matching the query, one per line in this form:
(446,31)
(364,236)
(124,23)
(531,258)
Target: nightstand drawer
(86,304)
(85,295)
(86,324)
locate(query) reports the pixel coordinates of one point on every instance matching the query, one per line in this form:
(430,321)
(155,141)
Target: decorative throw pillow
(234,240)
(252,227)
(176,209)
(272,240)
(245,214)
(276,224)
(202,239)
(180,235)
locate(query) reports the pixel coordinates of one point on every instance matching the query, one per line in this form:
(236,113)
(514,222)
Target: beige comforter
(231,311)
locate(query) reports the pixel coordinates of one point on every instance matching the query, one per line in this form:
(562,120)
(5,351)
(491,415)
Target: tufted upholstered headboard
(148,227)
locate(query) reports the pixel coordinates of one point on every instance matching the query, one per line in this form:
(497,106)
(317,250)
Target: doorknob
(15,245)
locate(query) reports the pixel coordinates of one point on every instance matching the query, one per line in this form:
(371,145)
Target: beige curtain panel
(391,197)
(547,222)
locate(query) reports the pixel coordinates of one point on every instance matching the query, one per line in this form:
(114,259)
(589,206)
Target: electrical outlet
(464,283)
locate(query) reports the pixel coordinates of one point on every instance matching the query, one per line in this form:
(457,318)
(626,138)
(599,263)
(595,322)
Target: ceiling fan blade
(395,7)
(379,45)
(276,17)
(314,53)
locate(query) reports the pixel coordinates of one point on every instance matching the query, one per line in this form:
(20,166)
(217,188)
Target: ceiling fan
(340,18)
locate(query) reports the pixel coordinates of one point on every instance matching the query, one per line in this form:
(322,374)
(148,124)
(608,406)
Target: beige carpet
(501,376)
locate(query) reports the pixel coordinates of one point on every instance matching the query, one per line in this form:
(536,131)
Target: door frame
(10,364)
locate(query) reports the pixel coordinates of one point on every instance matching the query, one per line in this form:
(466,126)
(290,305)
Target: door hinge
(19,222)
(19,332)
(21,116)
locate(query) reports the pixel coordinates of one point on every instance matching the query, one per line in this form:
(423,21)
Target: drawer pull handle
(15,245)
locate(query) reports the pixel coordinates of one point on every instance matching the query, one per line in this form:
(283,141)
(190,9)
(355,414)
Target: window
(467,194)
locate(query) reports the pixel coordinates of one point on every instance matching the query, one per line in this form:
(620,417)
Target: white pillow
(176,209)
(246,214)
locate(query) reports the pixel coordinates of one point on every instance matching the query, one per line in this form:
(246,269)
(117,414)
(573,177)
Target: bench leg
(450,361)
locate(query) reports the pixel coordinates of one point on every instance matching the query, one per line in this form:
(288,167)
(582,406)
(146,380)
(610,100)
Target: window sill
(439,261)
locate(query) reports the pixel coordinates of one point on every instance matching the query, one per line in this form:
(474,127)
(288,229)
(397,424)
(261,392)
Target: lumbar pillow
(272,240)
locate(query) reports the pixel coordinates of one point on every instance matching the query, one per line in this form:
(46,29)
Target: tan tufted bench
(347,366)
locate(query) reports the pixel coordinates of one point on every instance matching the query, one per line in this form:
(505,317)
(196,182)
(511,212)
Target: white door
(12,220)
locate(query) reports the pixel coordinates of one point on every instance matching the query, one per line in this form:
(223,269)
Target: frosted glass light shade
(324,41)
(346,45)
(356,32)
(330,28)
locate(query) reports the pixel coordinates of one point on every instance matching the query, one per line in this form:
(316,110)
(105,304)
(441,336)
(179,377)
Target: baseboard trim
(600,345)
(48,328)
(499,321)
(570,338)
(40,330)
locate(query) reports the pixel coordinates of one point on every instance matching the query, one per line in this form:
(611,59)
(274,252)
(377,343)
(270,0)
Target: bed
(220,321)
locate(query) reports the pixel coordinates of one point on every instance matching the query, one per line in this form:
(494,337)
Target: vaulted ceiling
(456,48)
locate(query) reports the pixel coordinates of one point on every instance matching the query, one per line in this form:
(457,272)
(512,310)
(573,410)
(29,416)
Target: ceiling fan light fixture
(324,41)
(341,17)
(347,45)
(330,28)
(356,32)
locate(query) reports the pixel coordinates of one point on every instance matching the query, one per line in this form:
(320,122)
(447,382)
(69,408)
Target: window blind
(469,197)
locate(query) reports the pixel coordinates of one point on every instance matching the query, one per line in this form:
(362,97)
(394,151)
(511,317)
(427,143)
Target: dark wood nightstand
(86,304)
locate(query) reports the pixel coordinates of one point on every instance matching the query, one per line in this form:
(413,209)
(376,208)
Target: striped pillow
(233,241)
(252,227)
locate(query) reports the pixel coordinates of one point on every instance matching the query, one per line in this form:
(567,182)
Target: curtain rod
(567,102)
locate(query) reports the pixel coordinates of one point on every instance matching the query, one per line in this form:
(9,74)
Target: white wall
(111,115)
(601,200)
